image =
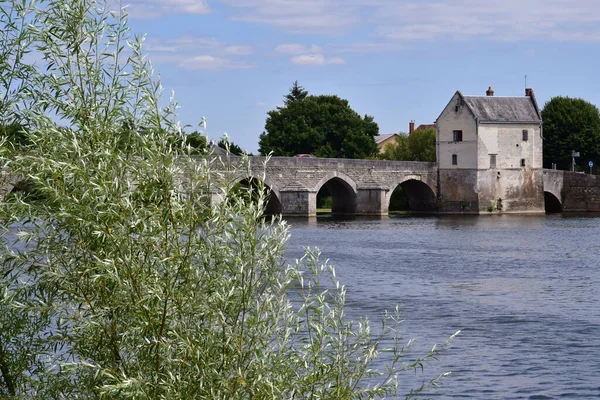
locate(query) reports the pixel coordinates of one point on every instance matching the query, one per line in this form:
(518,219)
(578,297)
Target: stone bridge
(365,187)
(357,187)
(571,191)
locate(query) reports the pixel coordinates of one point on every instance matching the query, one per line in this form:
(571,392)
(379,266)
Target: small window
(457,136)
(522,162)
(492,160)
(455,108)
(454,159)
(525,135)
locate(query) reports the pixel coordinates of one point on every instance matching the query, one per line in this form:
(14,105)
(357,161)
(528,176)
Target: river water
(524,290)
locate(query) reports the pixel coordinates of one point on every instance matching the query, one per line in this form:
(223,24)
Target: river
(524,290)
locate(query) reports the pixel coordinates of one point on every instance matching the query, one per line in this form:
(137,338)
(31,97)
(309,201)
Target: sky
(232,61)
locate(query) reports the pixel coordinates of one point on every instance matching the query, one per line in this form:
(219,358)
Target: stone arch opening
(249,187)
(342,195)
(552,203)
(412,195)
(23,187)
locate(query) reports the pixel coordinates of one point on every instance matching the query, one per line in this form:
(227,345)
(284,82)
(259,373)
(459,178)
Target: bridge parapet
(358,186)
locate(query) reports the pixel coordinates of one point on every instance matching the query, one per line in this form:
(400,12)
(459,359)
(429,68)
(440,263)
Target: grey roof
(503,109)
(384,137)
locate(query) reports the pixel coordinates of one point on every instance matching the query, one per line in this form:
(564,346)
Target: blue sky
(231,61)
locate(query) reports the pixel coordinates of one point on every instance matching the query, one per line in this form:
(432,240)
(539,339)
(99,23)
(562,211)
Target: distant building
(489,153)
(385,139)
(411,127)
(422,127)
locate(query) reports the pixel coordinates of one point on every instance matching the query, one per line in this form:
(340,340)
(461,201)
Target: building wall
(457,184)
(506,140)
(390,140)
(449,121)
(510,187)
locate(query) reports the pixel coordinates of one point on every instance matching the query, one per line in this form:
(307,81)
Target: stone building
(489,152)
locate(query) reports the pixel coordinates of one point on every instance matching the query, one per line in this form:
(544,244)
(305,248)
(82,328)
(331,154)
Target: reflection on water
(525,290)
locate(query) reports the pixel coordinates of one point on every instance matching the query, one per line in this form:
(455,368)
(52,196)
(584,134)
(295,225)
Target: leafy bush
(127,281)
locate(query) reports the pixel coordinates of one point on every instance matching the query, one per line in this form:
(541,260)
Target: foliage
(233,148)
(570,124)
(127,282)
(197,141)
(14,136)
(325,126)
(418,146)
(297,92)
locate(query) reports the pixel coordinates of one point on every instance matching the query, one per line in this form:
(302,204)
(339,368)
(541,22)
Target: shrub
(127,281)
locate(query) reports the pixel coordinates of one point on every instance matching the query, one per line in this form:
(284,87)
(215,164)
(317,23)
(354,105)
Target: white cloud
(336,60)
(238,50)
(198,53)
(511,20)
(210,63)
(296,15)
(394,21)
(158,8)
(309,59)
(295,48)
(316,59)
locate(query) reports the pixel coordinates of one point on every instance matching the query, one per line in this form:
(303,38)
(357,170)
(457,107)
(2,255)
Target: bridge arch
(342,190)
(552,203)
(273,206)
(17,185)
(413,194)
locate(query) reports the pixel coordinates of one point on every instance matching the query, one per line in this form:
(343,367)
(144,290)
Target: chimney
(490,91)
(411,127)
(529,92)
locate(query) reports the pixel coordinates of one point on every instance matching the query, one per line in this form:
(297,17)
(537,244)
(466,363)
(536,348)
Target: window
(492,160)
(525,135)
(454,159)
(457,136)
(455,108)
(522,162)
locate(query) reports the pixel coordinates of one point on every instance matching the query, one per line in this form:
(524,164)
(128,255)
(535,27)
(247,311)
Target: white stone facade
(489,152)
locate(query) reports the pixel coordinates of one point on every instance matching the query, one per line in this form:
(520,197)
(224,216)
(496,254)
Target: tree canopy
(224,143)
(570,124)
(297,92)
(323,125)
(196,141)
(418,146)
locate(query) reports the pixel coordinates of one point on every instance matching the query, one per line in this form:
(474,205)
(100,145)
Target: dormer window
(457,136)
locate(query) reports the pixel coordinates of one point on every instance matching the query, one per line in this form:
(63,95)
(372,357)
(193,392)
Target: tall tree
(297,92)
(323,125)
(570,124)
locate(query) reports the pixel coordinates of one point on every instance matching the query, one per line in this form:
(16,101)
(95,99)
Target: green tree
(14,136)
(398,150)
(419,146)
(570,124)
(323,125)
(197,141)
(224,143)
(127,282)
(297,92)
